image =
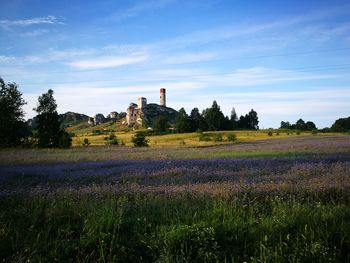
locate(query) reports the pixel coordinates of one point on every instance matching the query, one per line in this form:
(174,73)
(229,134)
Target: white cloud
(35,33)
(108,62)
(29,22)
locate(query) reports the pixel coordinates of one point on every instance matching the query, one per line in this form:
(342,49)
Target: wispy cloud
(139,8)
(108,62)
(29,22)
(35,33)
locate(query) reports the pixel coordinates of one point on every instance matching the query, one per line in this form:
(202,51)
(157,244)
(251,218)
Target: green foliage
(214,118)
(157,228)
(341,125)
(197,121)
(183,122)
(49,132)
(269,133)
(161,124)
(111,139)
(86,142)
(12,127)
(232,137)
(250,121)
(205,137)
(140,140)
(218,137)
(65,140)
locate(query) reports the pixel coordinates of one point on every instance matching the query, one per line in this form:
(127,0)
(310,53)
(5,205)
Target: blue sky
(285,59)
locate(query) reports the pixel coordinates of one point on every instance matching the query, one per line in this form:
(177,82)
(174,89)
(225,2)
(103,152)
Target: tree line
(212,119)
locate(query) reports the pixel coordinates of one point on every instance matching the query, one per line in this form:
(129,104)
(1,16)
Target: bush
(204,137)
(314,132)
(65,140)
(139,140)
(217,137)
(111,139)
(86,142)
(231,137)
(269,133)
(298,133)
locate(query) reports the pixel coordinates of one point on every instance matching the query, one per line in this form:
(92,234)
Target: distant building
(134,112)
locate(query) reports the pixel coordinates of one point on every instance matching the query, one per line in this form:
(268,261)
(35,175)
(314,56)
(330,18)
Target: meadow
(267,200)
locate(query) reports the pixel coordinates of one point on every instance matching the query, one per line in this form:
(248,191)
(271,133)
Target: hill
(151,112)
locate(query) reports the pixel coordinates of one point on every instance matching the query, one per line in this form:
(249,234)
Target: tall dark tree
(183,123)
(214,117)
(49,132)
(252,120)
(341,125)
(197,120)
(285,125)
(300,125)
(234,119)
(12,126)
(161,124)
(310,126)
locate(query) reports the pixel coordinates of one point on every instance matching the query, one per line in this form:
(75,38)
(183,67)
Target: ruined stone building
(135,114)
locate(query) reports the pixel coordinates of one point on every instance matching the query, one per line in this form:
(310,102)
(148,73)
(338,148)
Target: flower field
(266,201)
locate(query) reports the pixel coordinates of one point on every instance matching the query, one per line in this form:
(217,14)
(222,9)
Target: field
(279,199)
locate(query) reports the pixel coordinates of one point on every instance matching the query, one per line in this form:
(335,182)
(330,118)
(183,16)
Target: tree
(341,125)
(310,126)
(234,118)
(300,125)
(139,140)
(252,120)
(285,125)
(183,122)
(197,121)
(214,117)
(12,126)
(162,124)
(49,132)
(111,139)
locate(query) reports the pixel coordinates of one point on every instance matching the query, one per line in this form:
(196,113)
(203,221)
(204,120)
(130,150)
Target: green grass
(138,228)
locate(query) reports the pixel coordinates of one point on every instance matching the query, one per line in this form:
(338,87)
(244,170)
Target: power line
(186,77)
(198,62)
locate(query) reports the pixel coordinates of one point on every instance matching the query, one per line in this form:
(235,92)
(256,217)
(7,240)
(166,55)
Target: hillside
(151,112)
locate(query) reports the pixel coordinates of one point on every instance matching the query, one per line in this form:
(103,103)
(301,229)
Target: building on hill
(145,114)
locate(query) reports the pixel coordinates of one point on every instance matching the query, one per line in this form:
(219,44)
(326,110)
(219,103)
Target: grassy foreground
(282,227)
(283,200)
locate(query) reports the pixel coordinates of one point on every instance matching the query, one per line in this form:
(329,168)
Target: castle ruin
(134,114)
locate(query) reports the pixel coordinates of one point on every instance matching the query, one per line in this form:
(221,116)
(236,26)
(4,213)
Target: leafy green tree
(183,122)
(214,117)
(12,126)
(310,126)
(252,120)
(49,132)
(162,124)
(140,140)
(300,125)
(197,121)
(341,125)
(285,125)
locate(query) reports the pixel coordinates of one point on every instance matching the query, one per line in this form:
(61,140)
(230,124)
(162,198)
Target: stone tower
(162,97)
(142,102)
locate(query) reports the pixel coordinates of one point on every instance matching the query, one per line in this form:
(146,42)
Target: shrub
(314,132)
(298,133)
(277,133)
(111,139)
(204,137)
(140,140)
(86,142)
(217,137)
(231,137)
(269,133)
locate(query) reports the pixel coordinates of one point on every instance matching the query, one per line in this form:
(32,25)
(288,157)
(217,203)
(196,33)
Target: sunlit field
(281,199)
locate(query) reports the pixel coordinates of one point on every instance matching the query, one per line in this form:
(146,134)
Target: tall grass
(181,228)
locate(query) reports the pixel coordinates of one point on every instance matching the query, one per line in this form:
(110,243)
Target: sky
(284,59)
